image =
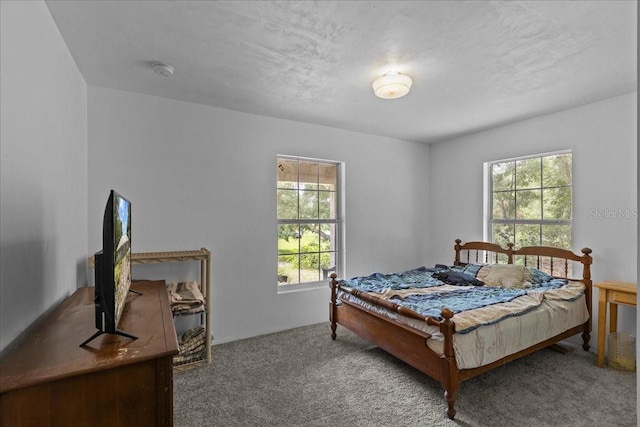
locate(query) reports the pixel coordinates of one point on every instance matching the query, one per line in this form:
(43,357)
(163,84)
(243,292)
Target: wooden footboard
(410,345)
(405,343)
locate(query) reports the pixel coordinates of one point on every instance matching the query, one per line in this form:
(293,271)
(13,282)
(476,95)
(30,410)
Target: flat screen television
(113,267)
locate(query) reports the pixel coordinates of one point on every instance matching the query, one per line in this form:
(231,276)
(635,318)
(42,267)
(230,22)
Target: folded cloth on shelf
(183,359)
(185,297)
(192,339)
(192,345)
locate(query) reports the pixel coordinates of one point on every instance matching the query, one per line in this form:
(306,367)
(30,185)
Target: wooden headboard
(482,253)
(557,262)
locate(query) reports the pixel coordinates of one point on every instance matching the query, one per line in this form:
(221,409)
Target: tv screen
(120,245)
(113,266)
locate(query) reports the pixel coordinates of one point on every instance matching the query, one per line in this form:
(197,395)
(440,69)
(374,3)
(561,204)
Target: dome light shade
(392,86)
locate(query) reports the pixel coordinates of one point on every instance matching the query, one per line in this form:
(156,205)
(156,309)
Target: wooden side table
(613,293)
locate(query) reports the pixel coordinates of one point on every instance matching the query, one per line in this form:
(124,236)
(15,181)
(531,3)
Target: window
(309,220)
(530,201)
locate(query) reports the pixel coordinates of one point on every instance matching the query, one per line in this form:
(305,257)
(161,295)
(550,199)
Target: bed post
(457,248)
(333,284)
(509,253)
(586,279)
(449,378)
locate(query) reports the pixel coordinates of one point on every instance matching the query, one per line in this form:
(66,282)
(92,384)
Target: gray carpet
(301,378)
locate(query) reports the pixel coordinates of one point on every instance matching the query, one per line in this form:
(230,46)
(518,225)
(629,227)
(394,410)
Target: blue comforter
(457,299)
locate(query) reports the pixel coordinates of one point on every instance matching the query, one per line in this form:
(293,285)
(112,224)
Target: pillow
(458,279)
(505,275)
(538,276)
(470,269)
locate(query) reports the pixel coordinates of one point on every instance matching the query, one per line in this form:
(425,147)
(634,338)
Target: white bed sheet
(488,343)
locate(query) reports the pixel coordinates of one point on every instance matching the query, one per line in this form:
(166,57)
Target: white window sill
(310,286)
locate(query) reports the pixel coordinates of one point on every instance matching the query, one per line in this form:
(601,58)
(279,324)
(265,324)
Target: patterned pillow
(471,269)
(457,279)
(538,276)
(505,275)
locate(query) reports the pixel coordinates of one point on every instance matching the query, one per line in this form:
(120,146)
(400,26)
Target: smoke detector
(163,69)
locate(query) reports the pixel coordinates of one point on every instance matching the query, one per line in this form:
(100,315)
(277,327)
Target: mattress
(489,343)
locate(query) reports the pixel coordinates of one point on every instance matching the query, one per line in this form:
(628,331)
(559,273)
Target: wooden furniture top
(52,350)
(631,288)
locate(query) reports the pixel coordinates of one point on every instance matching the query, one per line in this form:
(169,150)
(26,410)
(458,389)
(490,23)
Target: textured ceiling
(475,65)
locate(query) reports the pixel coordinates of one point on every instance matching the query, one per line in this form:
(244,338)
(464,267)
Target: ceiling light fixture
(392,85)
(163,69)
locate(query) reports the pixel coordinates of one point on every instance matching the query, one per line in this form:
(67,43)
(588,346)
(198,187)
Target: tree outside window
(531,201)
(308,220)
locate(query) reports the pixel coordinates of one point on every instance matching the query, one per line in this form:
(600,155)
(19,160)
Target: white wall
(603,138)
(199,176)
(43,151)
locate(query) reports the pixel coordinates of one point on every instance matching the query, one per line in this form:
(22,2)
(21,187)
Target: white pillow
(505,275)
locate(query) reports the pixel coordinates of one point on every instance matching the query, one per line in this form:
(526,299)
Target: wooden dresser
(48,379)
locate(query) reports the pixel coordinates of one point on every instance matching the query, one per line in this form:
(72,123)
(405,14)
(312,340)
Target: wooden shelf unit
(204,256)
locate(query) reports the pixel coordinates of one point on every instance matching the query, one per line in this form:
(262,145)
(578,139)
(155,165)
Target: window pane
(327,245)
(327,237)
(528,204)
(558,235)
(310,241)
(286,271)
(528,173)
(310,267)
(287,172)
(328,175)
(293,276)
(502,176)
(327,205)
(504,205)
(308,172)
(557,170)
(287,204)
(502,234)
(557,203)
(308,204)
(288,239)
(527,235)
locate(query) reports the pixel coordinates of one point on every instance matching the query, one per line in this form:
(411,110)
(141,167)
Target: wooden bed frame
(410,345)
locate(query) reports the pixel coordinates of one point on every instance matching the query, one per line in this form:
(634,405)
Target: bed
(551,303)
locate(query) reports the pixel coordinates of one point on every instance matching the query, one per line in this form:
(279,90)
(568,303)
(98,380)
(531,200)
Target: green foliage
(312,258)
(536,189)
(307,202)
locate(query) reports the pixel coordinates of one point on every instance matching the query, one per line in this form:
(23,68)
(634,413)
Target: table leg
(602,323)
(613,317)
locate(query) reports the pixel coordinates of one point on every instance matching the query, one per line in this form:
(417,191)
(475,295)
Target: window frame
(488,192)
(338,222)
